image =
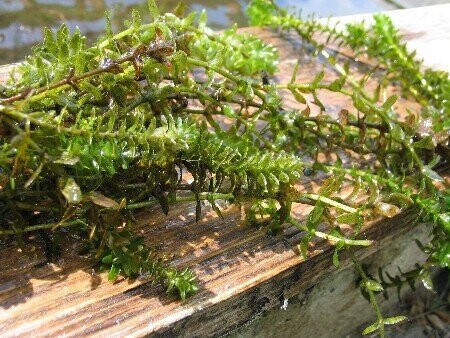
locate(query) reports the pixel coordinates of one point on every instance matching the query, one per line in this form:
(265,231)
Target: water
(21,22)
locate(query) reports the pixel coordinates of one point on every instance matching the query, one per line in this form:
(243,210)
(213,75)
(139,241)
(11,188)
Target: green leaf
(216,209)
(153,9)
(427,282)
(373,285)
(248,93)
(319,77)
(444,220)
(315,214)
(228,112)
(389,102)
(260,12)
(387,210)
(137,22)
(101,200)
(425,143)
(394,320)
(114,272)
(49,41)
(70,190)
(336,257)
(283,177)
(359,103)
(303,249)
(67,158)
(350,218)
(396,132)
(297,95)
(262,181)
(107,259)
(337,84)
(371,328)
(12,183)
(202,20)
(108,27)
(430,173)
(76,42)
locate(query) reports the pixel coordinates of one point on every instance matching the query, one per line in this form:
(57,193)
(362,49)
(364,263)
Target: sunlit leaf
(102,200)
(426,279)
(336,258)
(385,209)
(113,273)
(350,218)
(394,320)
(430,173)
(70,190)
(389,102)
(371,328)
(373,285)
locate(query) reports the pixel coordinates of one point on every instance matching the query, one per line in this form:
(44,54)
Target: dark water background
(22,21)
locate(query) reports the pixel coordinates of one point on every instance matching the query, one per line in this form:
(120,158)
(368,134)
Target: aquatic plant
(90,135)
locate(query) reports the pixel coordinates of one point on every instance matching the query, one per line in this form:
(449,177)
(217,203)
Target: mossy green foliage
(89,135)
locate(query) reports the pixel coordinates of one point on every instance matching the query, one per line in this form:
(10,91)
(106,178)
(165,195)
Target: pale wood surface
(241,271)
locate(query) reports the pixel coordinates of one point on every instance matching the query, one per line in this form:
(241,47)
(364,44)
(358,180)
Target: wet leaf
(424,143)
(248,92)
(297,95)
(319,77)
(70,190)
(216,209)
(389,102)
(164,203)
(114,272)
(373,285)
(396,132)
(101,200)
(426,280)
(153,9)
(107,259)
(350,218)
(336,258)
(262,181)
(337,84)
(371,328)
(430,173)
(387,210)
(316,214)
(394,320)
(303,249)
(67,158)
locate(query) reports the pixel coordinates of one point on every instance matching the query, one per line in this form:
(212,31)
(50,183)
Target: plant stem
(331,202)
(372,297)
(347,241)
(31,228)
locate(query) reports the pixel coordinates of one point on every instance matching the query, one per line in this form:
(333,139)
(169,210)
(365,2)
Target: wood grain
(241,270)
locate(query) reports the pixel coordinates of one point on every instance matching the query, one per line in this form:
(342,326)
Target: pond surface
(22,21)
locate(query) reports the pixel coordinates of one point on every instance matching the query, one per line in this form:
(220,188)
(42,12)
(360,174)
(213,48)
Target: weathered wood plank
(241,270)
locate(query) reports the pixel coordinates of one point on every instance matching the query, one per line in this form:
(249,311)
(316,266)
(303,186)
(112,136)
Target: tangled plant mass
(91,135)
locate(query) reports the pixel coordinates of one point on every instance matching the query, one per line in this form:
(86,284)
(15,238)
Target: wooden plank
(241,271)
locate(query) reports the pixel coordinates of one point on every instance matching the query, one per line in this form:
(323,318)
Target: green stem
(360,242)
(347,241)
(31,228)
(372,297)
(331,202)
